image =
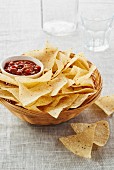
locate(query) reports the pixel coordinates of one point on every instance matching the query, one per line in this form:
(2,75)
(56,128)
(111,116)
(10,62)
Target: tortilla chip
(79,71)
(33,53)
(30,82)
(33,107)
(28,96)
(7,79)
(50,54)
(74,72)
(6,95)
(80,79)
(42,101)
(57,84)
(79,100)
(3,84)
(80,144)
(6,85)
(71,62)
(106,103)
(79,127)
(68,74)
(64,102)
(64,57)
(60,66)
(13,91)
(82,62)
(86,83)
(70,82)
(101,133)
(79,90)
(53,104)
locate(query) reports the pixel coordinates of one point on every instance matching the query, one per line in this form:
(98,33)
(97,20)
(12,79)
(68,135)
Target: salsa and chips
(66,81)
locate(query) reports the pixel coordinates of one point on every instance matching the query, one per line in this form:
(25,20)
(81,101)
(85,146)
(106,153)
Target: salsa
(22,67)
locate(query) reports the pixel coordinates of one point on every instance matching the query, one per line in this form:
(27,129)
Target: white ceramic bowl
(36,61)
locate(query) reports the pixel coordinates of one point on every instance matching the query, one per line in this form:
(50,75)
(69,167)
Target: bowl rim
(20,57)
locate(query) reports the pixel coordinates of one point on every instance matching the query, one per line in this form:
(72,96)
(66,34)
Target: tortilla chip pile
(86,134)
(66,82)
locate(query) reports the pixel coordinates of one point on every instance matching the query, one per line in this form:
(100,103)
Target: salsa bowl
(20,59)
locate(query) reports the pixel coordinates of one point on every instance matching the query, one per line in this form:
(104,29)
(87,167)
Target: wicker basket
(41,118)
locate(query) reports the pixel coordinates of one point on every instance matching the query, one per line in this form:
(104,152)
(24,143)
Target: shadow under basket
(43,118)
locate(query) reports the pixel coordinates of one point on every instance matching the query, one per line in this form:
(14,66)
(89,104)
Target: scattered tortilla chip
(101,131)
(80,144)
(79,127)
(106,103)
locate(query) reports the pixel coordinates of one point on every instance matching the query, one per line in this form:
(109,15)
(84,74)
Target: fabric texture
(29,147)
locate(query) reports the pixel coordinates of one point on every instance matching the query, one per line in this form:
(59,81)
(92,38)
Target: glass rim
(99,19)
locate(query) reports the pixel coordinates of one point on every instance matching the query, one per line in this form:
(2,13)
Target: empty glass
(59,17)
(96,31)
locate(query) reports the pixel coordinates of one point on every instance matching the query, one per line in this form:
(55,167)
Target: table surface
(28,147)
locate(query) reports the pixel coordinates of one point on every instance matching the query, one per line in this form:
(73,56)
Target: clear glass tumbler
(96,32)
(59,17)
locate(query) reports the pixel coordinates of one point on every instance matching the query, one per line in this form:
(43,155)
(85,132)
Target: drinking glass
(59,17)
(97,29)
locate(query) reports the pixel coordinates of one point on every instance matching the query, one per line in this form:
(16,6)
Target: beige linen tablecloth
(27,147)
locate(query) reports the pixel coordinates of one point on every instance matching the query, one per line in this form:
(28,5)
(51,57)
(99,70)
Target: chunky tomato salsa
(22,67)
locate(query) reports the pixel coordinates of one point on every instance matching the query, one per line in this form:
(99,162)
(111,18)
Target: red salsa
(22,67)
